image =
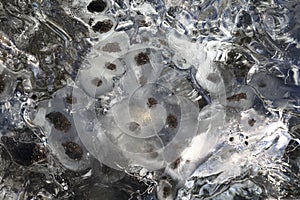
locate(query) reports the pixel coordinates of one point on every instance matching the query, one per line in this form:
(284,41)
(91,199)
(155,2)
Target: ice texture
(144,99)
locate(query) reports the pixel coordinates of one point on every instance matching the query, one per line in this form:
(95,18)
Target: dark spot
(172,12)
(111,66)
(172,121)
(246,143)
(176,163)
(24,153)
(34,97)
(246,40)
(143,23)
(59,121)
(2,83)
(133,126)
(4,54)
(154,154)
(103,26)
(70,99)
(73,150)
(91,20)
(231,139)
(96,6)
(97,82)
(141,59)
(166,191)
(244,19)
(237,97)
(262,84)
(151,102)
(213,77)
(251,122)
(111,47)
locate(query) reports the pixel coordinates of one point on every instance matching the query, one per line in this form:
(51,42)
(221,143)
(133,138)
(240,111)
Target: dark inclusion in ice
(176,163)
(97,82)
(237,97)
(151,102)
(103,26)
(251,122)
(111,47)
(141,59)
(172,121)
(70,99)
(97,6)
(244,19)
(59,120)
(111,66)
(134,127)
(24,153)
(73,150)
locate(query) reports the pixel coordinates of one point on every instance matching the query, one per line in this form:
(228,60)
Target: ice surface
(175,99)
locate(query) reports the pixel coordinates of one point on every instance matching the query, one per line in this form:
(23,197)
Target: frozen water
(174,99)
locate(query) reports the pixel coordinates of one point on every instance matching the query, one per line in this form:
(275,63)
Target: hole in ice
(97,6)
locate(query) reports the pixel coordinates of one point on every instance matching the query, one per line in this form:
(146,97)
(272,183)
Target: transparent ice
(174,99)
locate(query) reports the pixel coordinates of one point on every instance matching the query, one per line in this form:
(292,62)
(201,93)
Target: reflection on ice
(172,99)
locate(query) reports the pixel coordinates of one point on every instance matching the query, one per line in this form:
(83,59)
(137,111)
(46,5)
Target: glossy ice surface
(144,99)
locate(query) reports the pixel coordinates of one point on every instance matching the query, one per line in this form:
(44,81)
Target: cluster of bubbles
(196,99)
